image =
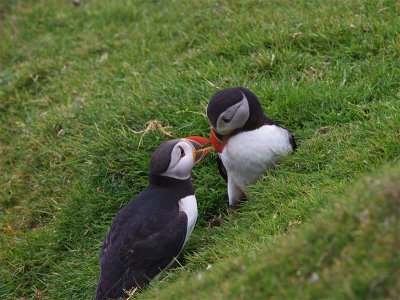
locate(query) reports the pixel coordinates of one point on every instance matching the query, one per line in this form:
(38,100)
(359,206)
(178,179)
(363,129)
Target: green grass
(348,251)
(76,83)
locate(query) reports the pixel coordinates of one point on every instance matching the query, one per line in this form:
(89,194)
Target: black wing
(221,168)
(135,251)
(134,262)
(150,252)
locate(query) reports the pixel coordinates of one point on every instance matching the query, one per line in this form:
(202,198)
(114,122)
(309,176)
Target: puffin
(148,234)
(247,141)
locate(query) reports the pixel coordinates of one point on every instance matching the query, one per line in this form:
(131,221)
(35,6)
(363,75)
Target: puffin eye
(182,152)
(226,120)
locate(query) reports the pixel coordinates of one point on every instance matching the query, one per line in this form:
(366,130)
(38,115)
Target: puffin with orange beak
(248,142)
(148,234)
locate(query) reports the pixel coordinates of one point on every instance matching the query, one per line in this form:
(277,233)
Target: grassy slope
(349,251)
(99,70)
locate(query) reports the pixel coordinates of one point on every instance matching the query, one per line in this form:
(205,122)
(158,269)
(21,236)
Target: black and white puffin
(148,234)
(249,143)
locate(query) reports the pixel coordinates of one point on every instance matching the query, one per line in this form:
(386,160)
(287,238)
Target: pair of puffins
(148,234)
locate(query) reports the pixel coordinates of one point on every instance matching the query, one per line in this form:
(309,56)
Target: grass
(348,251)
(76,83)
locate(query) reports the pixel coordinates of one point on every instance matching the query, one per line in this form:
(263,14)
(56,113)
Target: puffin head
(229,111)
(176,158)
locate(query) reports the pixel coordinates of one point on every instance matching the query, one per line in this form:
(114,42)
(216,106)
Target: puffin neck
(168,182)
(257,117)
(257,121)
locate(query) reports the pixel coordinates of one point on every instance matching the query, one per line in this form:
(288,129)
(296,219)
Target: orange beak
(198,143)
(217,143)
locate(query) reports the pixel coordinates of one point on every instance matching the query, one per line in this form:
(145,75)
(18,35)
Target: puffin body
(149,233)
(248,155)
(249,143)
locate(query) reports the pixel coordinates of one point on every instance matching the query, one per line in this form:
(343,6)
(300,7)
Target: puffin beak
(198,143)
(217,143)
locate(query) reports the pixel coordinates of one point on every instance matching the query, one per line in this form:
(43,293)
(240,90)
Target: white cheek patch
(175,154)
(180,168)
(238,115)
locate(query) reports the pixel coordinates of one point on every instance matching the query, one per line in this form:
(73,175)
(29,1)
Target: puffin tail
(292,141)
(112,288)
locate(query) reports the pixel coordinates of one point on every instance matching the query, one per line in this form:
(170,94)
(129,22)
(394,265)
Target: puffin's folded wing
(157,248)
(221,168)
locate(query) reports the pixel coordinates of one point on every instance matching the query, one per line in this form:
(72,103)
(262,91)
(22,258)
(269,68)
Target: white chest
(248,155)
(188,205)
